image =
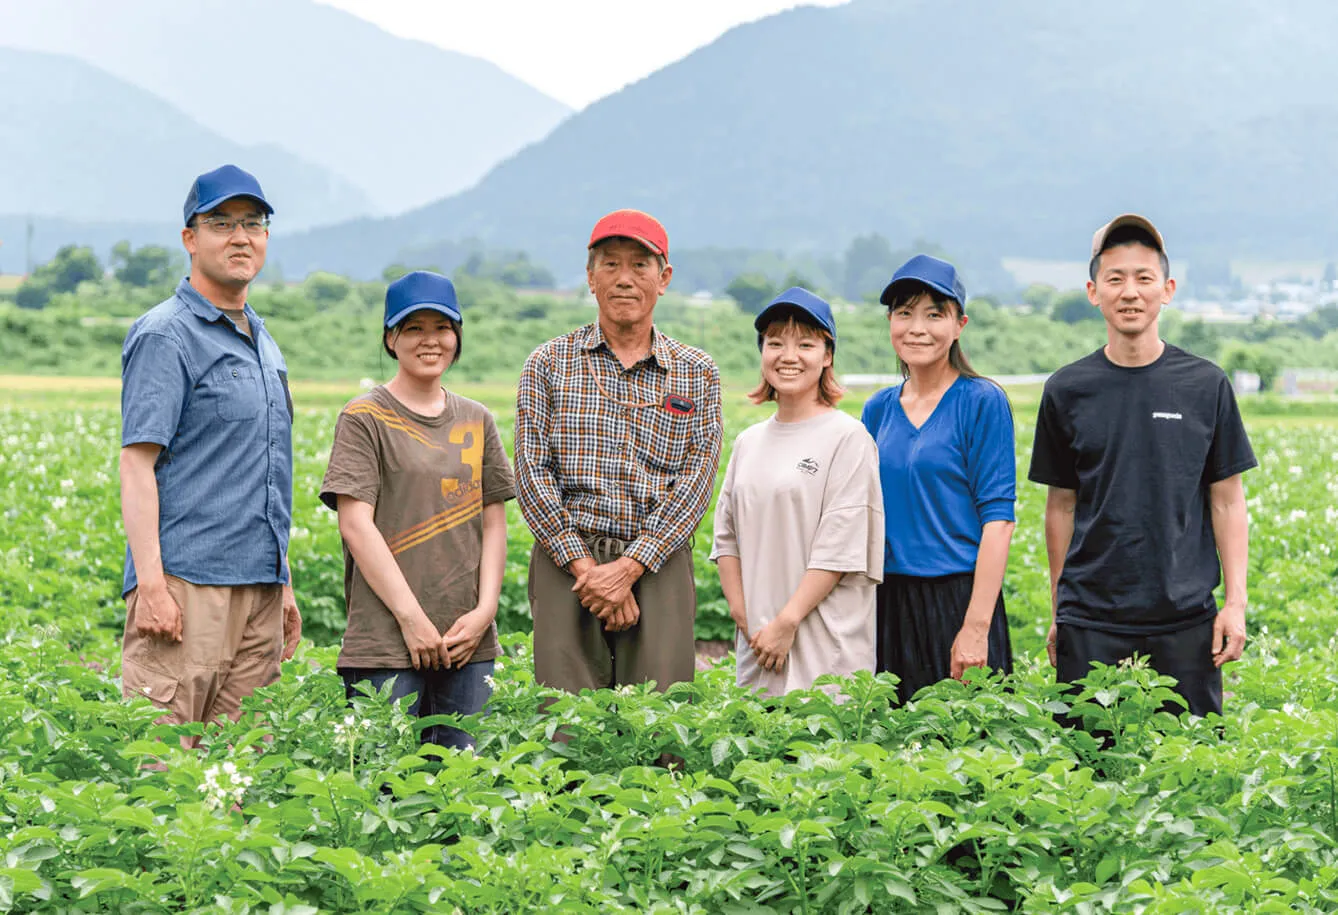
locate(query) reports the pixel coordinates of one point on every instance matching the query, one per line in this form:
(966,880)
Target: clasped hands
(605,589)
(430,649)
(772,643)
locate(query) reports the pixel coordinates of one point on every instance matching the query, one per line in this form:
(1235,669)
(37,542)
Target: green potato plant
(972,797)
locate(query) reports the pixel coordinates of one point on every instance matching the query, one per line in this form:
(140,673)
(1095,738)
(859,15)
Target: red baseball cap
(633,224)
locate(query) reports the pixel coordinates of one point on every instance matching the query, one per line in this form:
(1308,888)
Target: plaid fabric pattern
(619,465)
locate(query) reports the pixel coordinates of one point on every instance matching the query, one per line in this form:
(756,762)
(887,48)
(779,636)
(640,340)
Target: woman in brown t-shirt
(419,477)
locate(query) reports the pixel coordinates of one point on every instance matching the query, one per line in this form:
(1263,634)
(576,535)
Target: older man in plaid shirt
(618,434)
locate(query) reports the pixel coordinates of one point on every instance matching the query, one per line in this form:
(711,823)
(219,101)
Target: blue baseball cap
(223,183)
(812,310)
(421,289)
(938,275)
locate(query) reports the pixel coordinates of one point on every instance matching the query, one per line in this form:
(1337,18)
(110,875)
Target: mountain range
(991,128)
(396,121)
(79,144)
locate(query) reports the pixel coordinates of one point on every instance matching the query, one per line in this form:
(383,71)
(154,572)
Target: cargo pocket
(158,687)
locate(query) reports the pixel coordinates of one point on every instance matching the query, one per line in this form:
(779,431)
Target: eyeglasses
(226,225)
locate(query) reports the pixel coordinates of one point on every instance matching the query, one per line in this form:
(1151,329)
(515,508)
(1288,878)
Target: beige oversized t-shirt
(427,478)
(800,496)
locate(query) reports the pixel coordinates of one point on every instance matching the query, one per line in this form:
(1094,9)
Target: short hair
(455,326)
(594,250)
(1130,235)
(195,217)
(830,391)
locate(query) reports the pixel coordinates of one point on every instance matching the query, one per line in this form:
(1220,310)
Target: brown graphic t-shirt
(427,478)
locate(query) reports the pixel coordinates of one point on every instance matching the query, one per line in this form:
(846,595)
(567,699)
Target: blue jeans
(436,692)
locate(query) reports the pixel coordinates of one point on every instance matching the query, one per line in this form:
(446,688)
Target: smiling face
(794,356)
(425,344)
(923,330)
(1130,289)
(626,281)
(230,260)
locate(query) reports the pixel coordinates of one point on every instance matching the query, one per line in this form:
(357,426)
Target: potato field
(969,799)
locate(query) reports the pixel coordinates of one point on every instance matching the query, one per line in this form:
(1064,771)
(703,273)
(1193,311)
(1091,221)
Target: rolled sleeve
(155,382)
(997,510)
(991,464)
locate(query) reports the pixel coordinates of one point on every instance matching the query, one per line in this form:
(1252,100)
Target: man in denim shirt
(207,472)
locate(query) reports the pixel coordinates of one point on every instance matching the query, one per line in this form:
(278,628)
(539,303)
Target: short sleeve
(1053,461)
(155,382)
(355,463)
(991,465)
(499,484)
(1230,452)
(725,540)
(849,537)
(872,414)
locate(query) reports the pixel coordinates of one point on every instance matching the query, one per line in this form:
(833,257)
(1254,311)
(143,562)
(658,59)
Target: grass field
(968,799)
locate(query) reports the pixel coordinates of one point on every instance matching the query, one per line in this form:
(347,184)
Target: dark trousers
(918,620)
(451,691)
(1186,655)
(572,650)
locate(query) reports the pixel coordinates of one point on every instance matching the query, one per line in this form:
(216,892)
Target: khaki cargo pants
(573,652)
(231,644)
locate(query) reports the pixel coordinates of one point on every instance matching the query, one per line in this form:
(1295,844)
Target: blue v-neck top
(942,482)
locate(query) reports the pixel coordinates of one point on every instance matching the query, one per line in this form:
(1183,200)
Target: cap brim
(448,310)
(208,205)
(1119,222)
(764,317)
(887,290)
(644,242)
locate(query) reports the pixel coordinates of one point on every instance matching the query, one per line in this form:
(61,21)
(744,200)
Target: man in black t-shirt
(1142,447)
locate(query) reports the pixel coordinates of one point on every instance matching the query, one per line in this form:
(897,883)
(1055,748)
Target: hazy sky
(575,50)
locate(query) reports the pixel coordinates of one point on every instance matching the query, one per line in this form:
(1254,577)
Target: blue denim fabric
(219,405)
(437,692)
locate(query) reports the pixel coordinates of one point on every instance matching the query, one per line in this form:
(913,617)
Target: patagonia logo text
(808,466)
(1159,415)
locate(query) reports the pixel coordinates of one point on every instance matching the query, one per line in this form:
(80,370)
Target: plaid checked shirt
(591,465)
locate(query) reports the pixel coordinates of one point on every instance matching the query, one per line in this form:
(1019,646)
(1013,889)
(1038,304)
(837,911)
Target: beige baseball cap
(1119,222)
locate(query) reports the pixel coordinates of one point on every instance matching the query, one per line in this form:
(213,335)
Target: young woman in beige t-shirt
(799,523)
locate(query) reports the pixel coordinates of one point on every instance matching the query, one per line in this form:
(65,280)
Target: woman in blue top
(945,452)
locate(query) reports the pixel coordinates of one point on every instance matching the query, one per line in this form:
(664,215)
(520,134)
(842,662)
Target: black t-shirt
(1141,447)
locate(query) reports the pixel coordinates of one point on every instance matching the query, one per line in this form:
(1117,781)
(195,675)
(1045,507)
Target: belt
(604,548)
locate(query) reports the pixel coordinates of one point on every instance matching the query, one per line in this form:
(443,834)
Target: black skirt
(918,620)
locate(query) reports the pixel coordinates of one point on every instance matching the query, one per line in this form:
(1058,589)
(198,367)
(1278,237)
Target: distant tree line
(72,313)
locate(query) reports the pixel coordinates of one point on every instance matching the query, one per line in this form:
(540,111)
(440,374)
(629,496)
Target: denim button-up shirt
(218,404)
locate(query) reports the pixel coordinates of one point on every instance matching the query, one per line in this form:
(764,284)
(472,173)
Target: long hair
(830,391)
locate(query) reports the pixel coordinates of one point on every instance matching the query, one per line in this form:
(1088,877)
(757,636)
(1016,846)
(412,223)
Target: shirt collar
(206,310)
(593,338)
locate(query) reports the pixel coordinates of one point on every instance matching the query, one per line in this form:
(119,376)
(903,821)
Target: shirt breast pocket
(235,394)
(666,447)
